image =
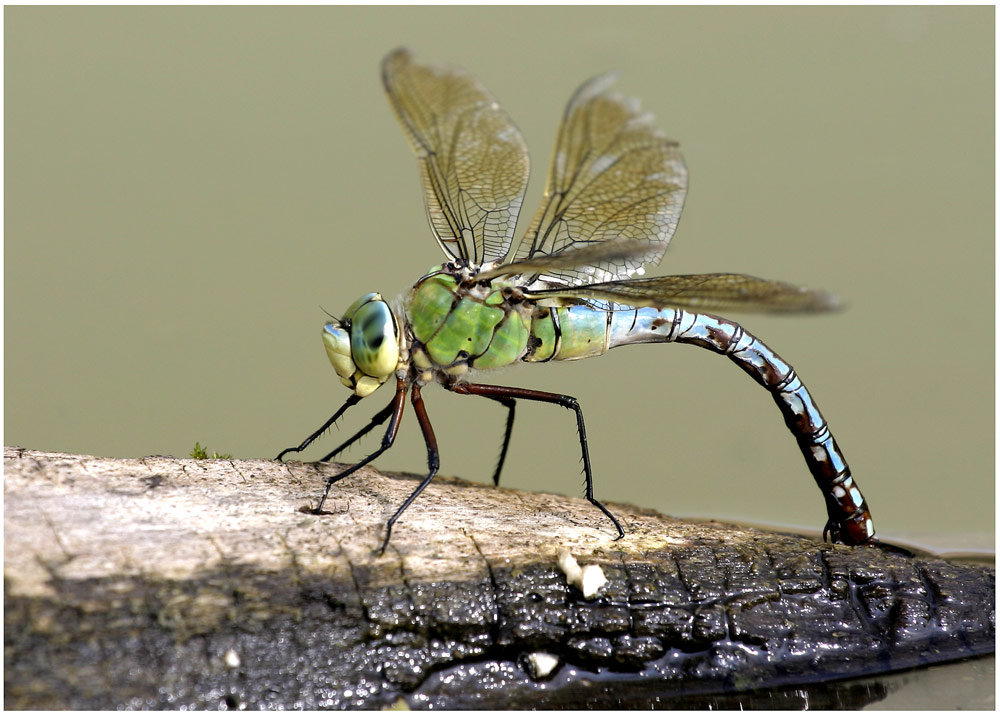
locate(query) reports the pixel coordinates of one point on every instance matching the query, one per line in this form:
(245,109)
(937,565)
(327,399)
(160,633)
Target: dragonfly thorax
(456,323)
(363,346)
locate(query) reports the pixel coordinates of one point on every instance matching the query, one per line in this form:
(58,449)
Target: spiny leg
(563,400)
(351,401)
(375,421)
(390,436)
(510,404)
(432,461)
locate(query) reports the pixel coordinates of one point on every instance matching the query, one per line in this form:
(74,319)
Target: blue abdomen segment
(848,518)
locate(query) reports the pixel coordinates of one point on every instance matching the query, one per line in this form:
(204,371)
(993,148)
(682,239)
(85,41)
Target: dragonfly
(568,289)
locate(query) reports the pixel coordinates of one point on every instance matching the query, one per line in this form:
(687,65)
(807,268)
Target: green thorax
(456,326)
(474,325)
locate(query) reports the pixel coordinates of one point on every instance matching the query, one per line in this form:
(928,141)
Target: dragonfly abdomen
(849,519)
(568,333)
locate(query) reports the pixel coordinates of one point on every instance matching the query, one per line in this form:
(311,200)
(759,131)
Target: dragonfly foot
(318,511)
(385,541)
(606,512)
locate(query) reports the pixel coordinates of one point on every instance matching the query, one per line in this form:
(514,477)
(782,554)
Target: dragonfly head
(363,346)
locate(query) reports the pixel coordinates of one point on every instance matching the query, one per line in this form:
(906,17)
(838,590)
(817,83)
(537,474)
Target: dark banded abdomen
(848,518)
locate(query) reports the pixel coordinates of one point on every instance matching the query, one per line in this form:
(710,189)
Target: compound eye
(374,346)
(363,300)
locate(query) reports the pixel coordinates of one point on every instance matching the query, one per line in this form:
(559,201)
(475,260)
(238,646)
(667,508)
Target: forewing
(726,292)
(473,160)
(613,177)
(578,258)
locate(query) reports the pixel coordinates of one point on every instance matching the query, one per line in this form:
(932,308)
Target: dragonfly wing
(473,160)
(706,292)
(613,177)
(581,259)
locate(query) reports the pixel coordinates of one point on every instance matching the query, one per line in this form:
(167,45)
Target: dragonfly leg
(376,420)
(390,436)
(495,392)
(351,401)
(433,461)
(510,404)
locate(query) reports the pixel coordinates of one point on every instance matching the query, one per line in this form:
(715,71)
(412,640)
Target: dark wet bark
(167,582)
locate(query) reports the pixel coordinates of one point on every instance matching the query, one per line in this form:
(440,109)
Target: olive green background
(187,187)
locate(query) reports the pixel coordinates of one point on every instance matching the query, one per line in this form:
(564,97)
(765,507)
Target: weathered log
(164,582)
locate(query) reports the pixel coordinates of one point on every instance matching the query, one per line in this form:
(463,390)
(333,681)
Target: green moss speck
(199,452)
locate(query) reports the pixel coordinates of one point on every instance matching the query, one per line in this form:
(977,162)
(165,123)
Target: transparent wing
(613,177)
(473,160)
(708,292)
(580,259)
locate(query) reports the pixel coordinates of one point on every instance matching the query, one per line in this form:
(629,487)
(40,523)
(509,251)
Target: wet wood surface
(167,583)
